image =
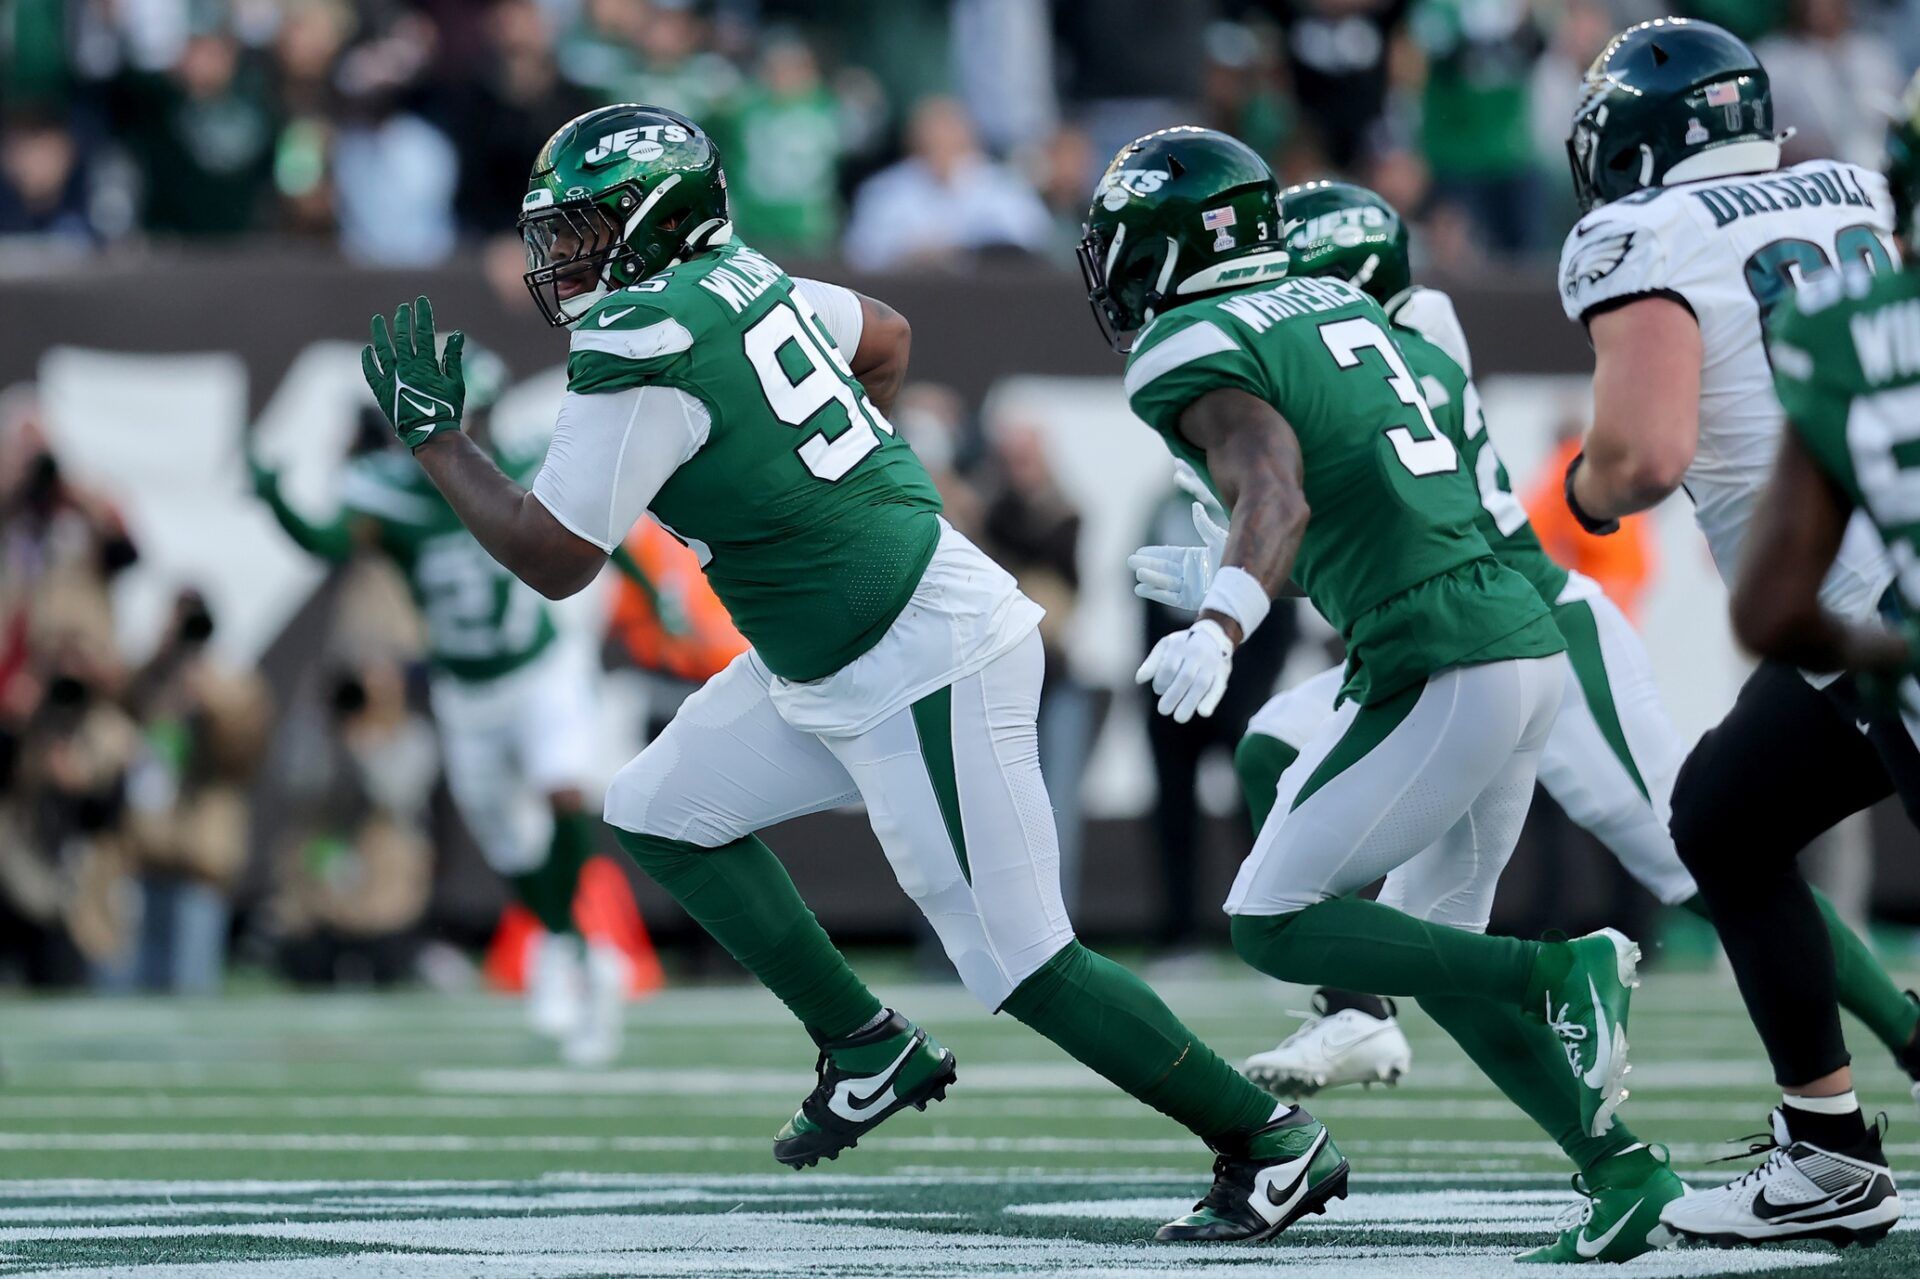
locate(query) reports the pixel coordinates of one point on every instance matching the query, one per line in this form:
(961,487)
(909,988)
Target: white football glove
(1189,670)
(1178,576)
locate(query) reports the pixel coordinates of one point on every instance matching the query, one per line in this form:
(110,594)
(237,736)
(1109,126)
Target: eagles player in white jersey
(1694,235)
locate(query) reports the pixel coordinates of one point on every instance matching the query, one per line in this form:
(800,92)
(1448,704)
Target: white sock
(873,1022)
(1844,1104)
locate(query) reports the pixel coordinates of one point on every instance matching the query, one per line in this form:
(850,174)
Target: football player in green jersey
(512,702)
(891,661)
(1846,363)
(1294,401)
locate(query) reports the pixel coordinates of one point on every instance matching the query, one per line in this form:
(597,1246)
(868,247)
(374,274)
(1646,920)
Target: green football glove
(420,391)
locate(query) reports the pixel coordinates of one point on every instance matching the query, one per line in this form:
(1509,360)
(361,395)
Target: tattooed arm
(1254,458)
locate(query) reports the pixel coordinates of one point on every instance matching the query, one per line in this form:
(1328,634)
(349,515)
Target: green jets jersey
(1501,519)
(1846,363)
(482,621)
(1391,556)
(813,520)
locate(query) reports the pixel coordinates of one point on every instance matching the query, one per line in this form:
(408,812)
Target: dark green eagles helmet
(1178,214)
(617,195)
(1669,101)
(1346,231)
(1903,168)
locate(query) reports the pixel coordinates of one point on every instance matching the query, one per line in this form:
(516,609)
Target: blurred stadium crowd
(898,132)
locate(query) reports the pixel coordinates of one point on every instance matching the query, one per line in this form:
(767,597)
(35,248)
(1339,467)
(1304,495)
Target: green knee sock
(548,889)
(740,893)
(1526,1062)
(1864,988)
(1260,760)
(1112,1022)
(1362,945)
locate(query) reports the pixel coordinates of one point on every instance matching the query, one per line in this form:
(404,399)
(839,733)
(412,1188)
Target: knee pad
(641,801)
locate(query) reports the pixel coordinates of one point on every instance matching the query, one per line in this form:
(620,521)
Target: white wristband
(1237,594)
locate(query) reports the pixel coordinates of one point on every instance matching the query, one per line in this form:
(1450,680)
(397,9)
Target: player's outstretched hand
(420,389)
(1178,576)
(1189,670)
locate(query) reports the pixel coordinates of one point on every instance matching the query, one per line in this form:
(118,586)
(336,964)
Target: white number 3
(1434,455)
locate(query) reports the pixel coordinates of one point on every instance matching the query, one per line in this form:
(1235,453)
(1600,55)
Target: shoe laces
(1576,1215)
(1570,1032)
(1308,1021)
(1220,1196)
(1761,1143)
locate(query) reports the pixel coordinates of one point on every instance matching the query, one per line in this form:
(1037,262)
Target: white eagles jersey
(1728,249)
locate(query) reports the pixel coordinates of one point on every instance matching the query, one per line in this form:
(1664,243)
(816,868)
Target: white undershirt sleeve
(610,455)
(838,309)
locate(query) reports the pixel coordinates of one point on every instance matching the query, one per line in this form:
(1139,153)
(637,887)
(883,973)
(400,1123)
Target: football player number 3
(802,375)
(1430,453)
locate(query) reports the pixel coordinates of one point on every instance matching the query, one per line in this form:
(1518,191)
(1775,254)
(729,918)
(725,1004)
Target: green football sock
(1260,760)
(1864,988)
(1526,1061)
(1362,945)
(741,894)
(548,890)
(1110,1021)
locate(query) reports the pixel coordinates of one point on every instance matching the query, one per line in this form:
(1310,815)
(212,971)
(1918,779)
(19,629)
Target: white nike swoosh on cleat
(1272,1207)
(848,1103)
(1594,1247)
(1596,1076)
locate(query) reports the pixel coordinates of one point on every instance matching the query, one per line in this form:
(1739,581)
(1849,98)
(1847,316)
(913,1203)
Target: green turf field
(423,1135)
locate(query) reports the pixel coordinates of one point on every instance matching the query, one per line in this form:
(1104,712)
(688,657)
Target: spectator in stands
(205,725)
(783,146)
(1003,70)
(601,51)
(202,135)
(1241,92)
(44,191)
(678,67)
(945,200)
(1476,111)
(394,172)
(501,113)
(1339,56)
(933,420)
(1832,83)
(1581,29)
(306,49)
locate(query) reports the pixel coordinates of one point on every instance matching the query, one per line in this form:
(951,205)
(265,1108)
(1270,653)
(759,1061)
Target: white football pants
(951,783)
(1430,792)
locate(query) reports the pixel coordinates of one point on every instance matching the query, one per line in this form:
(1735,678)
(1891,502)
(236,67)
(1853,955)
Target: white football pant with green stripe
(1610,758)
(951,780)
(1429,788)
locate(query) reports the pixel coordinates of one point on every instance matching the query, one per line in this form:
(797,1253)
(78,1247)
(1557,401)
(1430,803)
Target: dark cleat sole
(1312,1204)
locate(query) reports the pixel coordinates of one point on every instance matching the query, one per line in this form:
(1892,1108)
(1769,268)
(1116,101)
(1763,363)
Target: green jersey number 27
(803,374)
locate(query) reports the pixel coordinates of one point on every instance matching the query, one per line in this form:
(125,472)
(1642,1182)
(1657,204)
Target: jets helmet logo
(648,143)
(1121,185)
(1596,260)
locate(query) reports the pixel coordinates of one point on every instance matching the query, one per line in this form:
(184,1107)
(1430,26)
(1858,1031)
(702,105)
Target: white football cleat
(1345,1046)
(1801,1191)
(554,984)
(595,1039)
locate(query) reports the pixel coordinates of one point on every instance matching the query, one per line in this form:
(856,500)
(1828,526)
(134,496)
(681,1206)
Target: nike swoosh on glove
(1189,670)
(418,389)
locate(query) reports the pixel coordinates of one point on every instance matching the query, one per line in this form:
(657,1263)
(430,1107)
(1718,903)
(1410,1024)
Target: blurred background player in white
(1693,235)
(513,702)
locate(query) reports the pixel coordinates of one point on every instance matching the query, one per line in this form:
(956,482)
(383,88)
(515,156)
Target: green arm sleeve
(330,541)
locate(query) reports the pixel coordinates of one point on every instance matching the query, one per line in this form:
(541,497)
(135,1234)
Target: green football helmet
(1179,214)
(617,195)
(1346,231)
(1903,168)
(1671,100)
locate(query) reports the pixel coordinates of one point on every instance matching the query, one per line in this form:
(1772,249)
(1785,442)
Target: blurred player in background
(1846,363)
(892,661)
(1693,235)
(1293,401)
(513,703)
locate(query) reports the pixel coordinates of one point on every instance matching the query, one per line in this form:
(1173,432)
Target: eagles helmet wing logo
(1596,259)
